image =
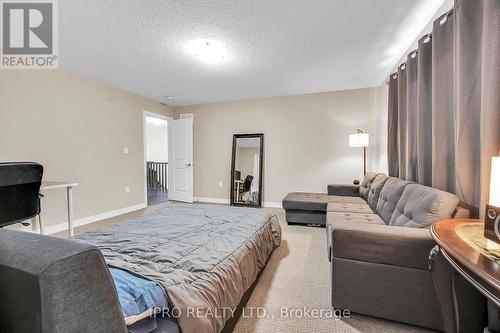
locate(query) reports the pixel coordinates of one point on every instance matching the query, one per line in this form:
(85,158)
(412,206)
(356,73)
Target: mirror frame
(261,165)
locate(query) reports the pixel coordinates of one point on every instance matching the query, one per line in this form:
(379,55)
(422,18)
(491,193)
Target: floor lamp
(360,140)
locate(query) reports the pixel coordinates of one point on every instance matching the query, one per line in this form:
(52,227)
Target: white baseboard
(226,202)
(212,200)
(270,204)
(52,229)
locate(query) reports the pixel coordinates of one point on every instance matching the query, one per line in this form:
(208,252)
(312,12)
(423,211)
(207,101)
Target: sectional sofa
(378,244)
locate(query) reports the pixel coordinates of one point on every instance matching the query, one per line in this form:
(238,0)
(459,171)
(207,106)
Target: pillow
(366,184)
(389,197)
(420,206)
(136,294)
(375,189)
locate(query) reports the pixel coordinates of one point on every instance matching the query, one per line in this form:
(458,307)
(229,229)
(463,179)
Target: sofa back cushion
(389,197)
(420,206)
(375,189)
(367,184)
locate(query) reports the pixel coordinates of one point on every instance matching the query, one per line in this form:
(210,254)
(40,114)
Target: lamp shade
(359,140)
(495,182)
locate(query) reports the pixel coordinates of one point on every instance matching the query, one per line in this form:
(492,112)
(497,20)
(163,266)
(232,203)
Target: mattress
(203,256)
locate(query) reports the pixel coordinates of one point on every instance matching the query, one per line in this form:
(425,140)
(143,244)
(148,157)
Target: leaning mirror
(246,170)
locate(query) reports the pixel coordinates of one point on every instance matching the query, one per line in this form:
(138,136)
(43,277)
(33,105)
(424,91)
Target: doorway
(156,157)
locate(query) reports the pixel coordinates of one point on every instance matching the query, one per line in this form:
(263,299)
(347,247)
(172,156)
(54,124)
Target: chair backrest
(248,183)
(19,190)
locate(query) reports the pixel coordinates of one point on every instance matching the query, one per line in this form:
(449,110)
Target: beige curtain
(411,115)
(477,54)
(443,103)
(490,93)
(448,104)
(402,120)
(424,111)
(392,132)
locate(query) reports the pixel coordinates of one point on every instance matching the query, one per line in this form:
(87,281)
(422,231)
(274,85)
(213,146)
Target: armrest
(343,190)
(382,244)
(55,285)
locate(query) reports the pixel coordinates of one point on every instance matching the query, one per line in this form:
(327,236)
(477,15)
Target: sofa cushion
(420,206)
(349,208)
(343,190)
(375,189)
(315,201)
(380,243)
(346,217)
(389,196)
(367,184)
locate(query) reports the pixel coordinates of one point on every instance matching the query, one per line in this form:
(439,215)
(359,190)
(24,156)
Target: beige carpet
(296,276)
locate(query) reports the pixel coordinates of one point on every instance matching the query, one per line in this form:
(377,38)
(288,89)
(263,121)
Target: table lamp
(492,216)
(360,140)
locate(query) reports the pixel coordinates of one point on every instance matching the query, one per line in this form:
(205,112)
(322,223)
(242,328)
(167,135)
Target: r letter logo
(29,34)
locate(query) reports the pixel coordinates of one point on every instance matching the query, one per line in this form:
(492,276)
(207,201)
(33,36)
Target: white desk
(46,186)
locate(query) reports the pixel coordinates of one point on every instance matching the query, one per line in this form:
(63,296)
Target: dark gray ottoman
(310,208)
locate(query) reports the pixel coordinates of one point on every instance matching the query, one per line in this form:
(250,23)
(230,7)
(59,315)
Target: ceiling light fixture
(207,50)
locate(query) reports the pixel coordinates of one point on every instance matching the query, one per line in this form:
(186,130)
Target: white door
(181,160)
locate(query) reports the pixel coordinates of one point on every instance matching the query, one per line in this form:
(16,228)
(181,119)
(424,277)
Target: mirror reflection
(246,170)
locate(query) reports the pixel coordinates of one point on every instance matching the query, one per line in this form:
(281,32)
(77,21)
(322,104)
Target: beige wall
(378,147)
(245,160)
(77,129)
(305,140)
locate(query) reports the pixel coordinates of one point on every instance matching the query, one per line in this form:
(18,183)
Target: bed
(194,262)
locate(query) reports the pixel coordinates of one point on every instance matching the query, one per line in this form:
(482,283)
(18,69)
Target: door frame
(158,116)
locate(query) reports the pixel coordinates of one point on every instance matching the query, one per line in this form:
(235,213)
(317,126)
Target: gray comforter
(205,257)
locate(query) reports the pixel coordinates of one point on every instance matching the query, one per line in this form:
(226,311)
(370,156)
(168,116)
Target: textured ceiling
(275,47)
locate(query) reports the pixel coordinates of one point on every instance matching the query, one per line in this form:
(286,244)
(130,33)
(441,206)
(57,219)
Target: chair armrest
(343,190)
(383,244)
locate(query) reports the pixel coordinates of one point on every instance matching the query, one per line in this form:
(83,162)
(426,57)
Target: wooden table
(461,243)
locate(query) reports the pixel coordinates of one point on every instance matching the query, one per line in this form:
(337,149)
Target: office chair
(247,184)
(19,192)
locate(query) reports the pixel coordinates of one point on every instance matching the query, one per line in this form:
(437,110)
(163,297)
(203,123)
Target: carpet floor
(296,277)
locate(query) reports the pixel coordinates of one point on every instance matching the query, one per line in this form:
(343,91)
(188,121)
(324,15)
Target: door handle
(189,165)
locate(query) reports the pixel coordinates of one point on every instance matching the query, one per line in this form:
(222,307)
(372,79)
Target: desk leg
(237,192)
(39,217)
(69,192)
(40,224)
